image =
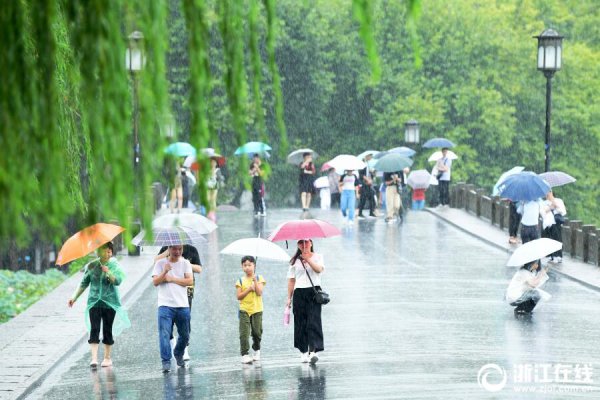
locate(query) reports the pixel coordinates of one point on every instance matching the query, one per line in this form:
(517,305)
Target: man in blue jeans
(171,275)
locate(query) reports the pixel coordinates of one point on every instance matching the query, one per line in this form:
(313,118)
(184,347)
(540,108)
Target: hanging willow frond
(256,66)
(363,13)
(271,37)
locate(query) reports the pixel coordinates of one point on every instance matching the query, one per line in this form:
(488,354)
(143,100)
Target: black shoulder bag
(320,296)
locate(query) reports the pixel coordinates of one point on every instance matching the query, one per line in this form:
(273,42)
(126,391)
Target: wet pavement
(417,310)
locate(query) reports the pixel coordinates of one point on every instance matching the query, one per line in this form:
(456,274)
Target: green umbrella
(393,162)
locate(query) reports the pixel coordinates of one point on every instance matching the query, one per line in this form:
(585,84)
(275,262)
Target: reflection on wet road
(417,310)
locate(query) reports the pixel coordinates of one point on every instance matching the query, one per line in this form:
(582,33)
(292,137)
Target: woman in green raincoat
(103,275)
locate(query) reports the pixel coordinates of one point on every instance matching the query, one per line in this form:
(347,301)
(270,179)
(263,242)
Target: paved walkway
(48,332)
(34,341)
(585,274)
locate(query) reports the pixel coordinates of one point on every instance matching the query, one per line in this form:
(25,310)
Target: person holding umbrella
(171,276)
(307,177)
(554,212)
(524,291)
(257,186)
(393,202)
(305,270)
(444,166)
(191,254)
(102,276)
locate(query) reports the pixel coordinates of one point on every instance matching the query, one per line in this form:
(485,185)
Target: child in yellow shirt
(249,293)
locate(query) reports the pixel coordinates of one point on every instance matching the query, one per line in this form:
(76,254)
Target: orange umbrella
(87,240)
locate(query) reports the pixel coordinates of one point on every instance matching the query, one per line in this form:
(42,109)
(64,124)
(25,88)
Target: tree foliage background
(340,76)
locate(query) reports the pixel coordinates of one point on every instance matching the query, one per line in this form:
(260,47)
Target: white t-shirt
(171,294)
(448,163)
(297,271)
(530,212)
(349,182)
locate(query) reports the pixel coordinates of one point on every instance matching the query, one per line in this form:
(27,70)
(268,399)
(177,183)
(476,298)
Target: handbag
(559,219)
(320,296)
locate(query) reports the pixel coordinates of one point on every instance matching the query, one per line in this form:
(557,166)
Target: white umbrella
(362,155)
(256,247)
(438,154)
(347,162)
(196,222)
(321,182)
(297,156)
(512,171)
(534,250)
(419,179)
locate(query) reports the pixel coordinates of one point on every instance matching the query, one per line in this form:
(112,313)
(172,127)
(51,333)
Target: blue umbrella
(503,177)
(438,142)
(252,148)
(180,149)
(524,186)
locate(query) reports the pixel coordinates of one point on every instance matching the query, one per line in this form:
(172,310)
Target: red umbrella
(303,229)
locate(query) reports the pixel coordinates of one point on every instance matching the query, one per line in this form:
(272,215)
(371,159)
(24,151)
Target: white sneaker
(186,353)
(313,358)
(304,357)
(558,260)
(256,356)
(246,359)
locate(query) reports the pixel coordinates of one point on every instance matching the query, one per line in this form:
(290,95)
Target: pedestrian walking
(257,186)
(530,216)
(393,202)
(177,190)
(524,291)
(171,276)
(348,188)
(102,276)
(249,293)
(554,212)
(418,199)
(214,182)
(308,329)
(366,192)
(190,253)
(307,178)
(444,167)
(334,188)
(514,220)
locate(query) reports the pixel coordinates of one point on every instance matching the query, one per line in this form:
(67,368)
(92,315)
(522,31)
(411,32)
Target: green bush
(19,290)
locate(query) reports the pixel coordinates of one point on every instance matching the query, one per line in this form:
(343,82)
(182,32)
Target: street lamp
(411,132)
(549,61)
(135,61)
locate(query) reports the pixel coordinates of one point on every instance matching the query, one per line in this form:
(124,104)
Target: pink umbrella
(326,167)
(303,229)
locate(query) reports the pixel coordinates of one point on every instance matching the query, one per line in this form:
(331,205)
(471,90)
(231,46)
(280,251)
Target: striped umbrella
(557,178)
(177,235)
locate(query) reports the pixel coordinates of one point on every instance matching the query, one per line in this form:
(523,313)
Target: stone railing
(579,241)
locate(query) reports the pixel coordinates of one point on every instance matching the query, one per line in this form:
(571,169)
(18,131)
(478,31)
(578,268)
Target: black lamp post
(411,132)
(134,61)
(549,61)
